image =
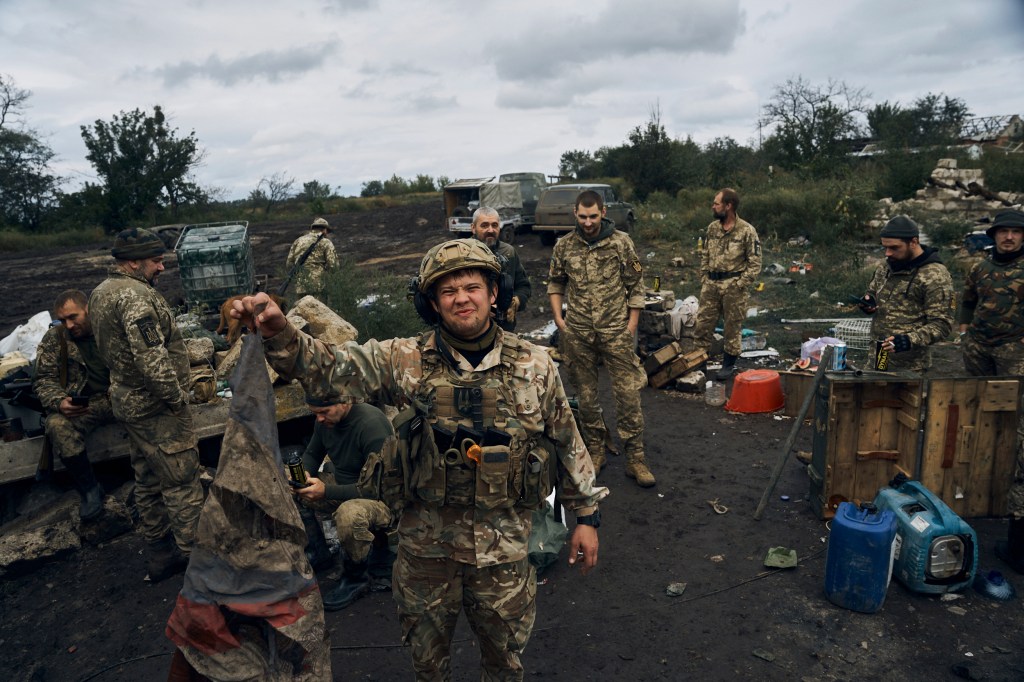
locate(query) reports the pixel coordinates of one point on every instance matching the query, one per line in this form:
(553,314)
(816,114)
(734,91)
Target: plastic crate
(215,262)
(856,333)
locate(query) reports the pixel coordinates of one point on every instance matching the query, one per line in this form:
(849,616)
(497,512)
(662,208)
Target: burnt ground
(90,616)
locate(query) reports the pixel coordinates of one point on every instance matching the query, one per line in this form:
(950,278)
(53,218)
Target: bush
(15,240)
(1003,172)
(375,304)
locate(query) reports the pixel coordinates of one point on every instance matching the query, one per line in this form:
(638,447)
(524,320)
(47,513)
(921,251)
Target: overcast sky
(345,91)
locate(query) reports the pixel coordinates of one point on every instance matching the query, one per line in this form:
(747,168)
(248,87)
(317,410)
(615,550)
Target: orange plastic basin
(756,390)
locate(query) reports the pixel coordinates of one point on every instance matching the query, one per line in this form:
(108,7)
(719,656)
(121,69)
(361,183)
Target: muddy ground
(90,616)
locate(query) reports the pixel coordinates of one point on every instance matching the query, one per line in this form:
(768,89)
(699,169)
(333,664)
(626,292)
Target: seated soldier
(347,434)
(72,383)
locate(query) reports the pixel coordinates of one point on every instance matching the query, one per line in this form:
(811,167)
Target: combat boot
(354,584)
(636,468)
(1012,550)
(317,552)
(379,564)
(164,559)
(728,367)
(86,485)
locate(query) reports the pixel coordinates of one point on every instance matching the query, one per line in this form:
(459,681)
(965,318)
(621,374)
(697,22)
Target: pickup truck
(463,197)
(555,210)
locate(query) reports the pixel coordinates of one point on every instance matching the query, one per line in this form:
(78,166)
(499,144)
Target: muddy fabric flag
(250,608)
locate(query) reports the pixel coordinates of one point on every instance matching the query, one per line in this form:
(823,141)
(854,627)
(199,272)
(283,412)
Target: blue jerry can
(936,551)
(860,553)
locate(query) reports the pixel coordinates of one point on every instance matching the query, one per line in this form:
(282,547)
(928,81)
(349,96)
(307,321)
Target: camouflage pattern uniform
(67,434)
(729,264)
(601,281)
(508,257)
(917,301)
(464,529)
(994,342)
(309,280)
(149,373)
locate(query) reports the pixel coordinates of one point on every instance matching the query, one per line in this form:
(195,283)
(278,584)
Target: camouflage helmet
(320,224)
(137,243)
(456,254)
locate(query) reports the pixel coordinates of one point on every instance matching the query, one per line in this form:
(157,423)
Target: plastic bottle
(714,394)
(700,244)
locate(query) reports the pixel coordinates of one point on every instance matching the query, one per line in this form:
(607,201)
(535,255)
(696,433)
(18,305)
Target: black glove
(868,304)
(900,343)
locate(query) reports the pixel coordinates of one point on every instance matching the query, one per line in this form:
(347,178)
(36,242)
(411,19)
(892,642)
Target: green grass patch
(15,240)
(375,303)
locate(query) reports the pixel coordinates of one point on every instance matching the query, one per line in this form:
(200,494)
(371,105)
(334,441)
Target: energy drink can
(295,470)
(657,282)
(838,356)
(881,357)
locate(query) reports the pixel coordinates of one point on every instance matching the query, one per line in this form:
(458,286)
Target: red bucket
(756,390)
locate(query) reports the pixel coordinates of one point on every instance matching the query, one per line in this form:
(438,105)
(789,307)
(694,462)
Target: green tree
(932,120)
(395,186)
(27,187)
(813,124)
(649,162)
(272,191)
(144,166)
(422,183)
(315,193)
(726,161)
(576,163)
(372,188)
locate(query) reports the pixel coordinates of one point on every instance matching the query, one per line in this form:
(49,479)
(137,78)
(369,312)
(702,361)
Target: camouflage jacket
(310,277)
(993,302)
(140,343)
(511,265)
(917,301)
(601,281)
(47,381)
(738,250)
(392,372)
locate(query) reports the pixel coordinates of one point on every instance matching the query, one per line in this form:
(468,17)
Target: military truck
(463,197)
(530,186)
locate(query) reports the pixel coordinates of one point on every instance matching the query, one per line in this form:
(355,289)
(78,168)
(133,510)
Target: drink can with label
(657,282)
(838,356)
(881,357)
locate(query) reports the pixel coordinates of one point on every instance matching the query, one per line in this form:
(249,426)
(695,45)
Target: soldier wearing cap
(322,258)
(149,377)
(911,297)
(992,333)
(484,431)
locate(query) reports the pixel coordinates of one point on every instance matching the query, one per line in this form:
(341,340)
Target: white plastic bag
(26,337)
(811,348)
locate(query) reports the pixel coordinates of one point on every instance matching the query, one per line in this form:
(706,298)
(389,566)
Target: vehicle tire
(548,237)
(630,222)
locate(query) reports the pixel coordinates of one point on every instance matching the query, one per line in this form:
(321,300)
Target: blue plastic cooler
(860,552)
(936,551)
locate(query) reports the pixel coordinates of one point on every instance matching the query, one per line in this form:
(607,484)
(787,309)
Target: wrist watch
(590,520)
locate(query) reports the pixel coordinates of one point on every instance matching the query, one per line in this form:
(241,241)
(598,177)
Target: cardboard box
(679,366)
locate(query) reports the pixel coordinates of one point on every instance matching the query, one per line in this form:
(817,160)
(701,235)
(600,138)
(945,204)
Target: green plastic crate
(215,262)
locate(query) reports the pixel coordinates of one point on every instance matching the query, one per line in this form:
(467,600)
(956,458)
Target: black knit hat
(137,244)
(900,227)
(1006,219)
(323,400)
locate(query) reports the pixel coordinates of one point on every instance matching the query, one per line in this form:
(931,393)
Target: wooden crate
(679,366)
(661,357)
(795,386)
(970,441)
(865,432)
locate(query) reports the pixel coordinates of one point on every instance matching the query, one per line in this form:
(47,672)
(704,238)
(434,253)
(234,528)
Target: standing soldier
(314,253)
(72,383)
(911,297)
(729,264)
(992,330)
(597,268)
(486,227)
(149,377)
(484,421)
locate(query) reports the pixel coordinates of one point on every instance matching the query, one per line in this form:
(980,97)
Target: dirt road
(90,617)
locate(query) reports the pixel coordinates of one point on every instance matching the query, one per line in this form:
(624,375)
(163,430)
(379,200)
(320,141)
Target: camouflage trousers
(627,378)
(358,521)
(67,434)
(727,299)
(500,604)
(168,493)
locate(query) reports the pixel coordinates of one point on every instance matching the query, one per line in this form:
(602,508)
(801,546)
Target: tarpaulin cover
(250,608)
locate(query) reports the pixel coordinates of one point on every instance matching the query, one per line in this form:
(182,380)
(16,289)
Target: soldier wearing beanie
(149,391)
(992,334)
(911,297)
(315,256)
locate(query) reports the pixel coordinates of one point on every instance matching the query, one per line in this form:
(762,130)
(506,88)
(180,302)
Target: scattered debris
(764,655)
(718,558)
(957,610)
(719,508)
(675,589)
(780,557)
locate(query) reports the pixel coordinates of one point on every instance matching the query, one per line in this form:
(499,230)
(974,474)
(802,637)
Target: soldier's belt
(718,276)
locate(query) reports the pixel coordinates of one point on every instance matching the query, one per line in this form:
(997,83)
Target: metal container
(838,356)
(215,262)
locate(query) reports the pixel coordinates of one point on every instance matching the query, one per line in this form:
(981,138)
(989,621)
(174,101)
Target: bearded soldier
(484,425)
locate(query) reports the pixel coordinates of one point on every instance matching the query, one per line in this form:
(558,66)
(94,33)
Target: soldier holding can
(911,297)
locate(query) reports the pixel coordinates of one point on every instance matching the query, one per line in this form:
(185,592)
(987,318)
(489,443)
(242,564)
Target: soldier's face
(897,250)
(463,300)
(150,268)
(1009,239)
(718,208)
(76,319)
(589,219)
(332,414)
(486,229)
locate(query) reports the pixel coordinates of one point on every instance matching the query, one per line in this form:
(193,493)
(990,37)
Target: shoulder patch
(757,247)
(635,264)
(150,335)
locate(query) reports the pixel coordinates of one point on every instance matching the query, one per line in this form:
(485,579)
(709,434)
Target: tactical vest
(498,405)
